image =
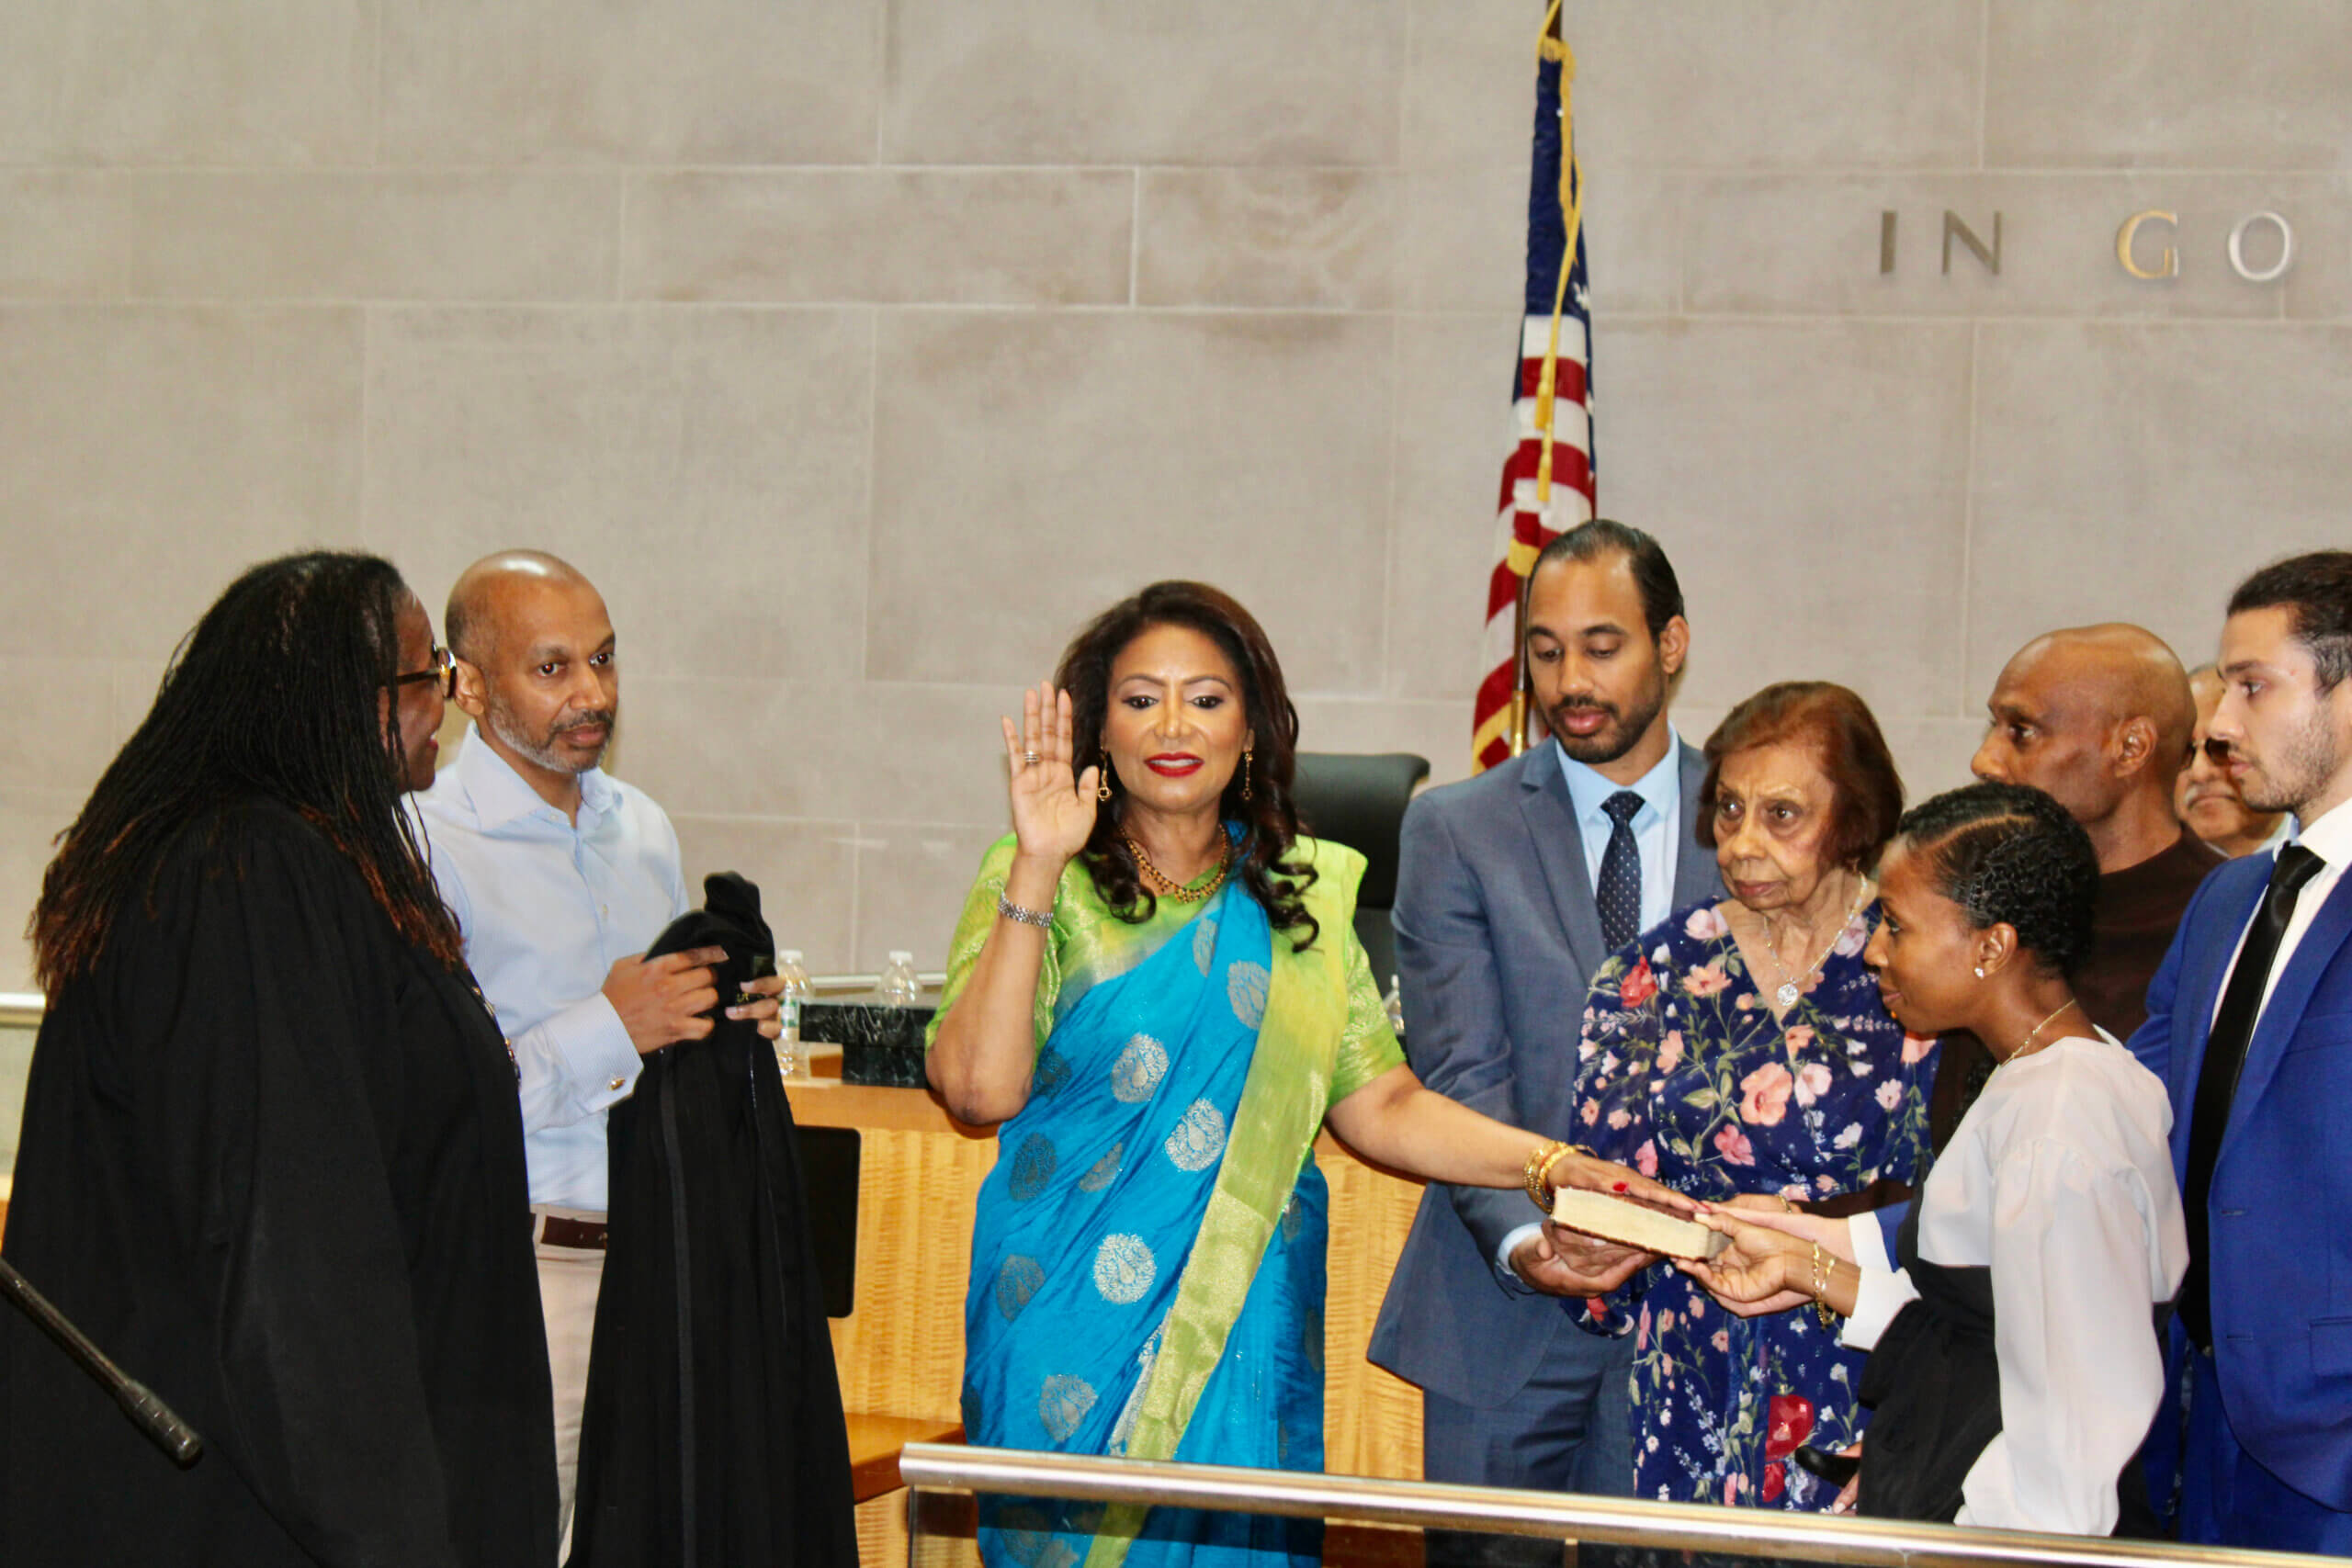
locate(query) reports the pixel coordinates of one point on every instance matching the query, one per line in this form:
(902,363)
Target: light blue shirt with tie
(1658,831)
(547,908)
(1657,827)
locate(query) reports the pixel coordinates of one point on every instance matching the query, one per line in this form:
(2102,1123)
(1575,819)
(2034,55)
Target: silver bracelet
(1012,912)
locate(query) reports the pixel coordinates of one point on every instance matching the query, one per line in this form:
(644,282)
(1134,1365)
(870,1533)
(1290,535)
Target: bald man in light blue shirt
(560,877)
(551,903)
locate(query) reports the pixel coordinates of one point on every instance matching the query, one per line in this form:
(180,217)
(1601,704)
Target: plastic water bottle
(899,988)
(790,1060)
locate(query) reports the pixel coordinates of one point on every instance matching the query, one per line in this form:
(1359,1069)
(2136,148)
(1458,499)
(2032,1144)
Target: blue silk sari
(1085,1227)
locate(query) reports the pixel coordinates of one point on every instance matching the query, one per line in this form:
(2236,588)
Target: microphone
(146,1409)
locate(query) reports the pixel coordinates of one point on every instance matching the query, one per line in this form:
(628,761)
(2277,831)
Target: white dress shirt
(2059,1180)
(547,909)
(1657,837)
(2329,836)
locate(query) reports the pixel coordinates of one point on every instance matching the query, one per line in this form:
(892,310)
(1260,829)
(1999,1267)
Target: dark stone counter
(880,1045)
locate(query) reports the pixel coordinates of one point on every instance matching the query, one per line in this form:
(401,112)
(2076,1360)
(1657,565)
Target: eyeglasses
(443,674)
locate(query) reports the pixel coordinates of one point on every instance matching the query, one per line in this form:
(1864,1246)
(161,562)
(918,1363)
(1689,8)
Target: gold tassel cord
(1550,46)
(1511,723)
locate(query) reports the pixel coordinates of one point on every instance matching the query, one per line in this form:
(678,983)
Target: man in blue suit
(2250,1025)
(1513,888)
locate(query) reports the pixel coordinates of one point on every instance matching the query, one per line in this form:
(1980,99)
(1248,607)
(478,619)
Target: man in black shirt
(2099,718)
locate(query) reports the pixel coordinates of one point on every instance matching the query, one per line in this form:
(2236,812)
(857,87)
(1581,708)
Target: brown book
(1635,1223)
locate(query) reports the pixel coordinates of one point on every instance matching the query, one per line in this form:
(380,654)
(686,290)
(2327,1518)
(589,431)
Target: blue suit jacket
(2280,1251)
(1497,939)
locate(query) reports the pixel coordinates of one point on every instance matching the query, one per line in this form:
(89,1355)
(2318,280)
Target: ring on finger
(1032,758)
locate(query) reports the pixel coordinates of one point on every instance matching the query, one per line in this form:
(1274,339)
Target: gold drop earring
(1245,772)
(1102,785)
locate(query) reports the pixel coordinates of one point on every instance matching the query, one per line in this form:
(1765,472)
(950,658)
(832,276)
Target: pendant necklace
(1788,990)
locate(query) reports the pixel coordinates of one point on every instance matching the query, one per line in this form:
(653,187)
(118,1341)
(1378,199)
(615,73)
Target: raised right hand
(660,1001)
(1053,813)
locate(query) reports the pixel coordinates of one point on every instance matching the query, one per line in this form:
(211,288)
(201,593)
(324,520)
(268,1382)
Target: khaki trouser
(569,1277)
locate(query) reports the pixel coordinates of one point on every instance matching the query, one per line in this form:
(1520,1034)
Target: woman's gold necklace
(2026,1047)
(1166,886)
(1790,990)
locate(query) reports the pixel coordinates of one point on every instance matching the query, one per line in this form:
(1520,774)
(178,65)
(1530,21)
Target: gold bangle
(1539,1164)
(1539,1170)
(1821,1277)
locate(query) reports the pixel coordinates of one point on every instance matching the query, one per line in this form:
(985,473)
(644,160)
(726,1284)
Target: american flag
(1526,521)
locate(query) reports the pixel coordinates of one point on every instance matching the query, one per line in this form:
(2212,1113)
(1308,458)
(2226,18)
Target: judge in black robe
(272,1162)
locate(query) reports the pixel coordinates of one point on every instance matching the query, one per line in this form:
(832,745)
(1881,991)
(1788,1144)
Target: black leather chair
(1358,799)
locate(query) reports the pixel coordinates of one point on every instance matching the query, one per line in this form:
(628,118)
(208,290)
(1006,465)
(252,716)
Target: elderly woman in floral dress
(1738,1052)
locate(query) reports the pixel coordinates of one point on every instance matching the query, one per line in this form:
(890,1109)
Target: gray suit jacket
(1496,940)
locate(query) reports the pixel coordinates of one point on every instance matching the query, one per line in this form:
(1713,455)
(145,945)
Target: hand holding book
(1660,1228)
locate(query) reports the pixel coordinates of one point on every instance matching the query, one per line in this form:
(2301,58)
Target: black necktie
(1619,892)
(2217,1080)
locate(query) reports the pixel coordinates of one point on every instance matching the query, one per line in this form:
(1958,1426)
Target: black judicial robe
(713,1435)
(272,1162)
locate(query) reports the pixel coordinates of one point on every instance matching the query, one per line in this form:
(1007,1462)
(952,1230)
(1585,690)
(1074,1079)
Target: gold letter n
(1955,229)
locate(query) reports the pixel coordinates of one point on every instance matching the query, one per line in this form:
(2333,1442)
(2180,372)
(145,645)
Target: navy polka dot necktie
(1619,892)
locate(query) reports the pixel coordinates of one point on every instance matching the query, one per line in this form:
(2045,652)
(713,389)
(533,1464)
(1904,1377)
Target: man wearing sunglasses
(2209,798)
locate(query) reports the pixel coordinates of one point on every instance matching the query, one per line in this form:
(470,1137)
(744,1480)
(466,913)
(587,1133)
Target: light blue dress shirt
(547,909)
(1657,825)
(1657,834)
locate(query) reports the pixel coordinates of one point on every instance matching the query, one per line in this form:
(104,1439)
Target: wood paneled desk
(901,1351)
(875,1442)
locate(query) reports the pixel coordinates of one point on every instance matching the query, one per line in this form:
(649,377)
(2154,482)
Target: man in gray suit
(1514,887)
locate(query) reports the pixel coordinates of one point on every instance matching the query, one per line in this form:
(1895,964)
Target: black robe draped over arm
(713,1436)
(272,1162)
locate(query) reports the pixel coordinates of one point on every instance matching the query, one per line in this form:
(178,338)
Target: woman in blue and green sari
(1156,989)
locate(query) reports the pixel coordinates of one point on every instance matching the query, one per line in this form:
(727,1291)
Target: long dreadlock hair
(278,693)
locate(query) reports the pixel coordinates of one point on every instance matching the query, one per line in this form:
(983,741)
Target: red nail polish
(1621,1187)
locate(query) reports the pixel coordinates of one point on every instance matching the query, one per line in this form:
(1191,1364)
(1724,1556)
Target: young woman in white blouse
(2014,1365)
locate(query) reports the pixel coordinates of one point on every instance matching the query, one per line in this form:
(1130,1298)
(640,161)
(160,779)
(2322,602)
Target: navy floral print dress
(1684,1074)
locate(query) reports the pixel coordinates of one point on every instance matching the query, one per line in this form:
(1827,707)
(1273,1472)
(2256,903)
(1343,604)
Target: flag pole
(1519,693)
(1508,715)
(1552,44)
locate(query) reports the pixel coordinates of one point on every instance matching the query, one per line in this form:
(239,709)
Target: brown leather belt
(588,1235)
